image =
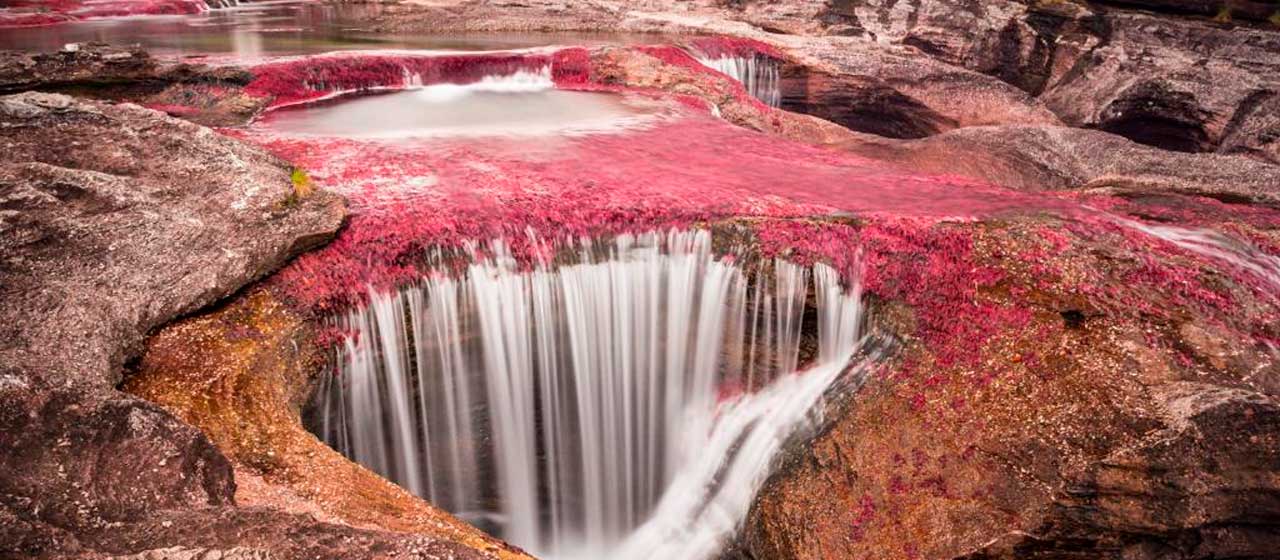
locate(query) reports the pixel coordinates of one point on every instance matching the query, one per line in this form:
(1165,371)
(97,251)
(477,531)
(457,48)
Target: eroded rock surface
(118,218)
(1065,158)
(1086,411)
(1199,487)
(241,375)
(202,94)
(115,220)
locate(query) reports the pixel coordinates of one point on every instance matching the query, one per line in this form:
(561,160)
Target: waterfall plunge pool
(628,405)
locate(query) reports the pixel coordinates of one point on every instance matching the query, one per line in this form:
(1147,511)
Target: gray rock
(1063,158)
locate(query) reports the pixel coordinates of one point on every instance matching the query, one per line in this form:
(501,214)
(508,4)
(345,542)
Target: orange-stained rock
(239,374)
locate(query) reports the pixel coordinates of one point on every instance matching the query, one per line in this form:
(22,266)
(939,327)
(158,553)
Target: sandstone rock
(96,63)
(1202,487)
(889,91)
(1255,129)
(75,463)
(820,71)
(115,219)
(241,375)
(1236,9)
(207,95)
(1064,158)
(1105,432)
(1175,84)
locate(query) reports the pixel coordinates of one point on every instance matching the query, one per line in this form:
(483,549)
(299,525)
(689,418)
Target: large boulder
(1175,84)
(116,219)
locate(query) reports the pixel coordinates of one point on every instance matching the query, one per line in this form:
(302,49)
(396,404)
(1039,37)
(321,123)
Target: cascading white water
(759,74)
(582,410)
(1216,245)
(521,81)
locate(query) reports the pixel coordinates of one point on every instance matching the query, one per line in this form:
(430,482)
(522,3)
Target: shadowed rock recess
(1058,222)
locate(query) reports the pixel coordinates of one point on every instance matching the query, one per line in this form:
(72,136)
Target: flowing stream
(629,404)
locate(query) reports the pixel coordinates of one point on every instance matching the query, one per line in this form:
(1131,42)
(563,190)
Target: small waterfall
(520,81)
(1216,245)
(758,73)
(630,404)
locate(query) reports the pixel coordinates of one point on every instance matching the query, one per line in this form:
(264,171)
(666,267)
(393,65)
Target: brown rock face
(205,95)
(100,64)
(1201,487)
(113,220)
(1094,430)
(1176,83)
(74,464)
(241,374)
(1225,9)
(117,219)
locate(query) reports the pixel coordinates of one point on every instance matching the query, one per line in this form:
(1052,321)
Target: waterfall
(1216,245)
(627,404)
(758,73)
(520,81)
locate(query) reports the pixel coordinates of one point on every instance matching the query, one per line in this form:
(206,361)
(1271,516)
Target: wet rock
(207,95)
(828,75)
(1126,435)
(241,375)
(93,62)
